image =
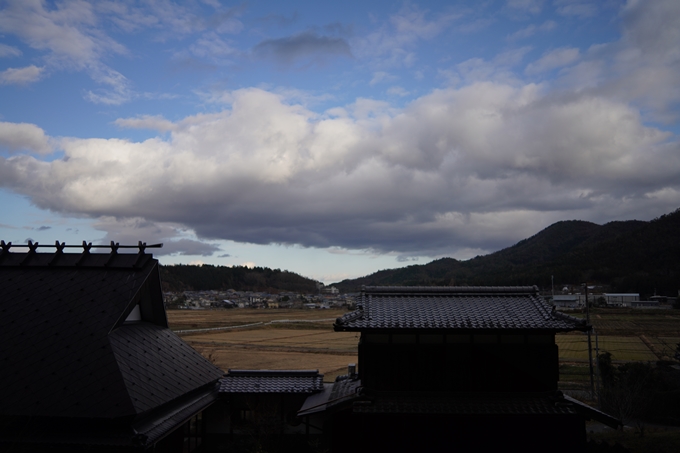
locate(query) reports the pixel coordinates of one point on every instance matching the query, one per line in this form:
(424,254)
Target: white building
(620,299)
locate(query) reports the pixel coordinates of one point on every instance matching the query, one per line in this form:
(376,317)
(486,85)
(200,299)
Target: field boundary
(271,348)
(273,321)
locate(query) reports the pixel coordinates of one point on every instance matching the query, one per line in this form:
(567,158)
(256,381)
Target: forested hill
(240,278)
(631,256)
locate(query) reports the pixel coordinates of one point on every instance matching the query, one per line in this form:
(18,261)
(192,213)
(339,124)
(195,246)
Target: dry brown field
(201,319)
(286,339)
(634,322)
(304,339)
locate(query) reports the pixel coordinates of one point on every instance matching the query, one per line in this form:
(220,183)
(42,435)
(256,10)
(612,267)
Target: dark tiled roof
(272,381)
(65,349)
(157,366)
(158,423)
(461,308)
(339,394)
(467,404)
(343,388)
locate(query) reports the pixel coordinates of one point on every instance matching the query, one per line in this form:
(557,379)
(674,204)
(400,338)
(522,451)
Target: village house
(260,408)
(567,301)
(620,299)
(93,366)
(453,368)
(88,360)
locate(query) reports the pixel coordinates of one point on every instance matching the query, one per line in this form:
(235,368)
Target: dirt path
(242,326)
(652,347)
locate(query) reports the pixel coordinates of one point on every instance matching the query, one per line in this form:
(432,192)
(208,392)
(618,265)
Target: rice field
(575,348)
(312,341)
(201,319)
(304,339)
(279,349)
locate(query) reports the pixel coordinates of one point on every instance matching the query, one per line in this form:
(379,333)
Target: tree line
(183,277)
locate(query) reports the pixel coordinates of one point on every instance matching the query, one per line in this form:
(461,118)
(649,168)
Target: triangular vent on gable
(135,315)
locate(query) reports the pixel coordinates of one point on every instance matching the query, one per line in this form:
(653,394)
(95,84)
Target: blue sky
(333,139)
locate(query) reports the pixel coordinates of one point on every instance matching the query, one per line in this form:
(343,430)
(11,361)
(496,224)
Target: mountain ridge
(629,256)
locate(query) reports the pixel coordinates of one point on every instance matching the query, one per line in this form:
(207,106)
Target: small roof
(272,381)
(444,308)
(339,394)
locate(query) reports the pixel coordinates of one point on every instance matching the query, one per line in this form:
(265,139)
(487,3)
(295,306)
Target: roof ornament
(82,260)
(59,252)
(86,246)
(114,252)
(140,255)
(86,251)
(31,251)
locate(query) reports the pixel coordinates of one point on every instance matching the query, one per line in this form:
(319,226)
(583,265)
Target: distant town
(325,298)
(569,297)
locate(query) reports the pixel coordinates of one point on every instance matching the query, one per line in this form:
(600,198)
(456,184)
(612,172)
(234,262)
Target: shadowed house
(262,408)
(88,362)
(454,369)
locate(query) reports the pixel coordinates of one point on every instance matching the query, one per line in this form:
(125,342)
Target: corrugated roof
(272,381)
(460,308)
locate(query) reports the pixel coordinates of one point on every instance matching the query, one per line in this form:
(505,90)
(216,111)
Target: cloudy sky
(333,139)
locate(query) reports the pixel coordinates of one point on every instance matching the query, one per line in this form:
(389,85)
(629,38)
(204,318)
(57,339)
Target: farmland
(276,339)
(628,334)
(304,339)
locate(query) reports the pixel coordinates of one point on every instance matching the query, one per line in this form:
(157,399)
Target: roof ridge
(451,289)
(273,373)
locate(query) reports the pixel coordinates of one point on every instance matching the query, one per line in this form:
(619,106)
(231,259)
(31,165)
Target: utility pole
(590,345)
(597,367)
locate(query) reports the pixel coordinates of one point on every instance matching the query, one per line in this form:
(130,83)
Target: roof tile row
(507,308)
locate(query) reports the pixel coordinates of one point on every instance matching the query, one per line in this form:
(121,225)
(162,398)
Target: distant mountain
(630,256)
(240,278)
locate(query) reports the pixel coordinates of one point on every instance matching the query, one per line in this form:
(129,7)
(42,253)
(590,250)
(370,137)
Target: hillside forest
(626,256)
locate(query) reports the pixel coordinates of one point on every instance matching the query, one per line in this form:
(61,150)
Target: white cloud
(380,77)
(642,68)
(156,123)
(69,31)
(212,47)
(21,76)
(576,8)
(397,91)
(648,57)
(392,44)
(175,239)
(9,51)
(531,6)
(499,68)
(554,59)
(118,91)
(530,30)
(476,167)
(24,136)
(70,36)
(170,19)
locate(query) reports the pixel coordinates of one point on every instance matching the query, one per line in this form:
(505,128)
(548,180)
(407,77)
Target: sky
(333,139)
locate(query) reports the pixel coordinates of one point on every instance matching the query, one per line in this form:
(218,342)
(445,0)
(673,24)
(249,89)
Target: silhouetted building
(261,409)
(88,361)
(453,369)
